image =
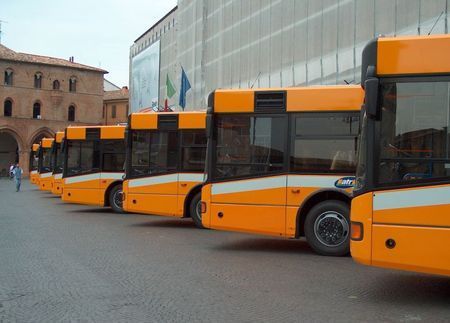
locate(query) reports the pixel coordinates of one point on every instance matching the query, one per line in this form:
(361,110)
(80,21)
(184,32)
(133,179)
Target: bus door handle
(295,190)
(104,181)
(183,184)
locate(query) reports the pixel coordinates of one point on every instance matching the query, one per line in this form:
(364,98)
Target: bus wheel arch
(313,200)
(195,191)
(107,202)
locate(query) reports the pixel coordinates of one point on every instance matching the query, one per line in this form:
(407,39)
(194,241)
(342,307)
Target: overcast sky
(96,32)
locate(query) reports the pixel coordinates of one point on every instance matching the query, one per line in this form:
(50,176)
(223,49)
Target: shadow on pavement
(267,245)
(411,289)
(96,210)
(180,224)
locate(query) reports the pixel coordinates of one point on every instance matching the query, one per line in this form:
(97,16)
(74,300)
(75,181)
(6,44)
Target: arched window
(7,108)
(73,84)
(9,76)
(71,114)
(37,110)
(55,85)
(38,80)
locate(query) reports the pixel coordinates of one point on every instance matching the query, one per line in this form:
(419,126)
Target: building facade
(40,95)
(273,43)
(115,106)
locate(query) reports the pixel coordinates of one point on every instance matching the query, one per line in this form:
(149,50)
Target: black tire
(195,210)
(327,228)
(115,199)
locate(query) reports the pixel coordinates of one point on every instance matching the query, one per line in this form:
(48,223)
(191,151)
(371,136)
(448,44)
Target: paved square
(61,262)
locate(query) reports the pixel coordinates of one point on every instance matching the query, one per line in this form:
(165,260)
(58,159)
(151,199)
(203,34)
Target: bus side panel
(82,196)
(291,221)
(155,195)
(154,204)
(45,183)
(361,212)
(57,184)
(254,205)
(106,179)
(83,189)
(259,219)
(411,229)
(421,249)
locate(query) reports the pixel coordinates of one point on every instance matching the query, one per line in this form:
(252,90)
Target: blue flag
(185,86)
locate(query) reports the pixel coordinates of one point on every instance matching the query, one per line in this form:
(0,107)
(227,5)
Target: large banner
(145,79)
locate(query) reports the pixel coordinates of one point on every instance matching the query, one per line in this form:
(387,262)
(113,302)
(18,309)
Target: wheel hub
(331,228)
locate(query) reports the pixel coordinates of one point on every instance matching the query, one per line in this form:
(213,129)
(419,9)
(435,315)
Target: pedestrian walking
(18,176)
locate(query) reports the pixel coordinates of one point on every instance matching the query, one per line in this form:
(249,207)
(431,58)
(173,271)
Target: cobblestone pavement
(61,262)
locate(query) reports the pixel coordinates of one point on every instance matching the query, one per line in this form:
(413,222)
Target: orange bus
(45,164)
(281,162)
(401,210)
(165,164)
(33,165)
(94,158)
(57,163)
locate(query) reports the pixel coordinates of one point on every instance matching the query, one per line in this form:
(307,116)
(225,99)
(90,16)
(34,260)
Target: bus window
(82,157)
(193,150)
(163,152)
(249,145)
(113,155)
(140,153)
(324,143)
(413,137)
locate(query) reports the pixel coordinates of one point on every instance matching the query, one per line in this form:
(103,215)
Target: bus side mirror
(371,97)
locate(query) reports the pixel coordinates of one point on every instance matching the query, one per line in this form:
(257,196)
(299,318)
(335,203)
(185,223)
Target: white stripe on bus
(111,176)
(411,198)
(34,172)
(57,176)
(249,185)
(45,175)
(322,181)
(153,180)
(82,178)
(191,177)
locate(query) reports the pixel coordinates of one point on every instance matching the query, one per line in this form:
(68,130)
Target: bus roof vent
(270,101)
(92,133)
(168,122)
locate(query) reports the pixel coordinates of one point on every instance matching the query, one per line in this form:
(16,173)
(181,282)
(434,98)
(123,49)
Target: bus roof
(35,147)
(313,98)
(59,136)
(173,120)
(46,142)
(407,55)
(95,132)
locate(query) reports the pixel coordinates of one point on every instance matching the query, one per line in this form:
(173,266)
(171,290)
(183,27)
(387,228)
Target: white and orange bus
(401,210)
(57,163)
(94,159)
(33,165)
(166,154)
(45,164)
(281,162)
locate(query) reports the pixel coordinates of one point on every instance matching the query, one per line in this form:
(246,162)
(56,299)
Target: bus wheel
(195,210)
(115,199)
(327,228)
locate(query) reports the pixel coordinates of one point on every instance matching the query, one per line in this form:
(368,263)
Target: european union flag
(185,86)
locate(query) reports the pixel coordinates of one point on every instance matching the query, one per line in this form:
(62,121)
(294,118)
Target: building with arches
(41,95)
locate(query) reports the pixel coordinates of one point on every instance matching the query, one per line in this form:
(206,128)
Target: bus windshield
(413,140)
(82,157)
(34,160)
(46,163)
(58,159)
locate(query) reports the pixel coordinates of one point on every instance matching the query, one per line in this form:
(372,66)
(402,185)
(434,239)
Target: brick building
(40,95)
(115,106)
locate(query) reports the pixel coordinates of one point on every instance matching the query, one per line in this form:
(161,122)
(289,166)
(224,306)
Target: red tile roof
(10,55)
(121,94)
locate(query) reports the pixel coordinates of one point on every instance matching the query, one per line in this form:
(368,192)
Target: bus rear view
(45,164)
(401,213)
(281,162)
(166,154)
(94,159)
(34,159)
